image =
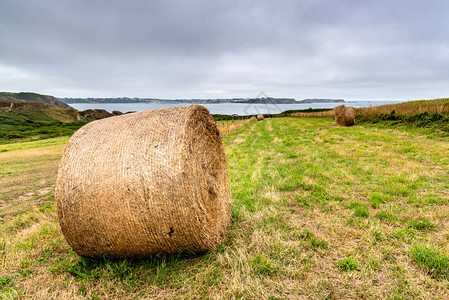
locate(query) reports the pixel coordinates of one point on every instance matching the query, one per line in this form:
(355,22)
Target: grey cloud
(174,49)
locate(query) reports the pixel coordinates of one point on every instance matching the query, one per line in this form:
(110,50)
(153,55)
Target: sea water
(227,108)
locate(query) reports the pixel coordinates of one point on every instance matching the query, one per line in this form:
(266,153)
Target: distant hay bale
(139,184)
(344,115)
(260,117)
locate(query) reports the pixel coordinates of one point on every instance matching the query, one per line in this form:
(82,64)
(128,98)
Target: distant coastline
(264,100)
(227,108)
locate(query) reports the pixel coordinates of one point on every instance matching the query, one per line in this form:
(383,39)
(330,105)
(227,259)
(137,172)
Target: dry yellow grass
(319,114)
(226,127)
(440,106)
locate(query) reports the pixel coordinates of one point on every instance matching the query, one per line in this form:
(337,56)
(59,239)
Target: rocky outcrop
(95,114)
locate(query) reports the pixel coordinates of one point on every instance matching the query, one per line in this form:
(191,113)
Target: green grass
(27,96)
(318,212)
(421,224)
(348,264)
(360,209)
(432,260)
(426,122)
(32,125)
(376,200)
(26,121)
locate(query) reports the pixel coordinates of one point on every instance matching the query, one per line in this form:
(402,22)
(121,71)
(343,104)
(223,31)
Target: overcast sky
(393,49)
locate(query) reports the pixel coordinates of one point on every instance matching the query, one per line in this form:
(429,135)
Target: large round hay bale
(150,182)
(350,116)
(344,115)
(260,117)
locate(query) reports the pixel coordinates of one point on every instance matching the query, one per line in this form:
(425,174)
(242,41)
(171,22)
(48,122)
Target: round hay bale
(350,116)
(149,182)
(260,117)
(344,115)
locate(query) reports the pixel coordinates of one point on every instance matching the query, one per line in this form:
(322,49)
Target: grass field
(319,212)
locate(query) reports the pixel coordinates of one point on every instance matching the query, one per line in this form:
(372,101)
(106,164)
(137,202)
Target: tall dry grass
(328,113)
(440,106)
(226,127)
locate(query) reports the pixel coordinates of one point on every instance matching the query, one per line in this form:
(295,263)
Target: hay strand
(150,182)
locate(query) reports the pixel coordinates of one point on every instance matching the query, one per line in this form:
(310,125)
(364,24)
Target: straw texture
(344,115)
(260,117)
(144,183)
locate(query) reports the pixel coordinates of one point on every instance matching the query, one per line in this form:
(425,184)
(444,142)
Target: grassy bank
(35,121)
(319,212)
(436,106)
(435,123)
(17,128)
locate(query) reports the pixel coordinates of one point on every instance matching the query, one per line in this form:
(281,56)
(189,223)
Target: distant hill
(37,111)
(33,97)
(261,100)
(321,101)
(31,116)
(264,100)
(22,121)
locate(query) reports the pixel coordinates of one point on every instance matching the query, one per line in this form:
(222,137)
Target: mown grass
(319,212)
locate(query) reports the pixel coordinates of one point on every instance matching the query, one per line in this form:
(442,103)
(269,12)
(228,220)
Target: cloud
(184,49)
